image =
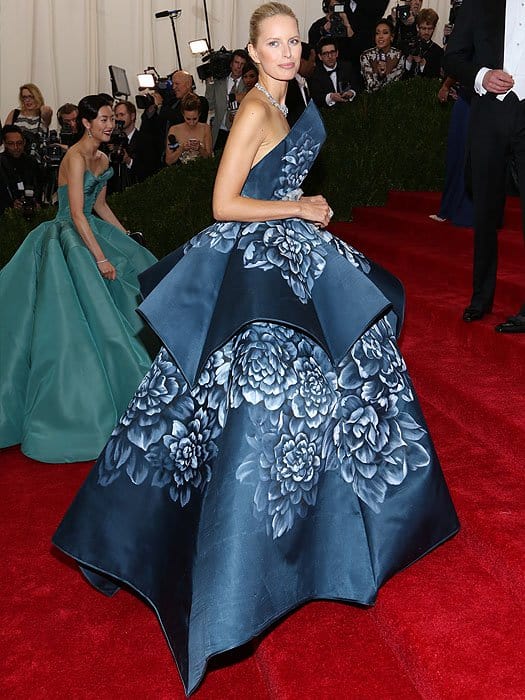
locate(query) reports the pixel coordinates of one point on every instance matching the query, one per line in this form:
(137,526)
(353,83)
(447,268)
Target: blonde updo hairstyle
(269,9)
(37,95)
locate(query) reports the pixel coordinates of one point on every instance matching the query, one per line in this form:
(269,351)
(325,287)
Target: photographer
(403,17)
(221,95)
(129,154)
(425,56)
(382,64)
(22,176)
(67,116)
(333,82)
(335,25)
(362,16)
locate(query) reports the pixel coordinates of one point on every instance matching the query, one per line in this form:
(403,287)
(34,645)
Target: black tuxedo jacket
(294,102)
(478,40)
(321,83)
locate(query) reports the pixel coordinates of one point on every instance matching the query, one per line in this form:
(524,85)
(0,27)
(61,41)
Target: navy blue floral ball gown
(275,452)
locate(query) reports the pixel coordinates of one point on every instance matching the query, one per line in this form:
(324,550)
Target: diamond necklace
(283,109)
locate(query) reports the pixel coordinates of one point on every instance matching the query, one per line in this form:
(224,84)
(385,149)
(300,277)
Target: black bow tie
(333,70)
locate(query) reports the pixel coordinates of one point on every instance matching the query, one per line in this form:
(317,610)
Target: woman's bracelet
(99,262)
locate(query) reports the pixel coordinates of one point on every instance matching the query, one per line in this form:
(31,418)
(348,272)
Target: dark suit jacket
(364,18)
(321,84)
(478,40)
(294,102)
(142,150)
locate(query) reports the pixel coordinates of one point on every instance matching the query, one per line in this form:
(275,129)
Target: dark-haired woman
(69,337)
(382,64)
(191,139)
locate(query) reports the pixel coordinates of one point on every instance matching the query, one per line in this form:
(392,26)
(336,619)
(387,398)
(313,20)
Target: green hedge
(392,139)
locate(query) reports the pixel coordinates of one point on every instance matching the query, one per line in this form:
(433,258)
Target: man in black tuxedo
(333,82)
(485,52)
(298,93)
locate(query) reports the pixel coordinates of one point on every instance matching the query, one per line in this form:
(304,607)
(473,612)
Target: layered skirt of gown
(275,452)
(72,347)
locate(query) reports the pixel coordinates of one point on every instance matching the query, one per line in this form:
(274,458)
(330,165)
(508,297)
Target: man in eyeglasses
(333,82)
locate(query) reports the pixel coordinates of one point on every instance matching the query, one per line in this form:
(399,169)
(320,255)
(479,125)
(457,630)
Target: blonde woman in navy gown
(275,452)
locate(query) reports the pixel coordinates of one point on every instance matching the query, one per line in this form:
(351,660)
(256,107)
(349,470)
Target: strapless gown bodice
(93,184)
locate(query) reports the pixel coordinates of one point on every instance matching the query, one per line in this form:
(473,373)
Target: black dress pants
(497,133)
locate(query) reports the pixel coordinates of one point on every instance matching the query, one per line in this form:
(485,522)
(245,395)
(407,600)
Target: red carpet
(449,627)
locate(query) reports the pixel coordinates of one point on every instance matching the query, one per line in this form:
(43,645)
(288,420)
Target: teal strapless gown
(275,452)
(71,348)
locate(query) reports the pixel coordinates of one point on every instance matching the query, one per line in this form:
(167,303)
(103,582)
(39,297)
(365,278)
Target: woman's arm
(205,149)
(250,132)
(102,208)
(75,189)
(9,118)
(47,114)
(172,156)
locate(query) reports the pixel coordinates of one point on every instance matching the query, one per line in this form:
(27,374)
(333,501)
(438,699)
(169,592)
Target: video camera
(151,80)
(215,64)
(118,142)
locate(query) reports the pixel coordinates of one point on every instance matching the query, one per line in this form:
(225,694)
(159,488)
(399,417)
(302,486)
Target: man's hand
(337,97)
(498,81)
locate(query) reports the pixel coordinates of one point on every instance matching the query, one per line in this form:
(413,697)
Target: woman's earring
(89,133)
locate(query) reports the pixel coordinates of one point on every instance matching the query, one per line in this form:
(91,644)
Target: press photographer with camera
(191,139)
(382,64)
(425,57)
(129,150)
(403,17)
(67,116)
(334,24)
(221,96)
(362,16)
(22,176)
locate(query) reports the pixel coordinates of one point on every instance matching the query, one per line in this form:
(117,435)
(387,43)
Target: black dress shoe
(470,314)
(514,324)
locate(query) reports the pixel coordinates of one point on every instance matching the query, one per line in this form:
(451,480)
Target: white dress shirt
(514,53)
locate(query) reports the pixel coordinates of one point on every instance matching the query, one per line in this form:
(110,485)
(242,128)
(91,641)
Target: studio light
(199,46)
(146,80)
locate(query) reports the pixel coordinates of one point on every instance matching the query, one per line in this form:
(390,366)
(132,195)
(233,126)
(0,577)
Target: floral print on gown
(275,452)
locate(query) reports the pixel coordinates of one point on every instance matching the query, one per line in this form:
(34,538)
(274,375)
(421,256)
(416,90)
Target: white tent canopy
(66,46)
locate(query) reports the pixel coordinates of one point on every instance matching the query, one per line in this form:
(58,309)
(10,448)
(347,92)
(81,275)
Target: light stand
(207,22)
(172,14)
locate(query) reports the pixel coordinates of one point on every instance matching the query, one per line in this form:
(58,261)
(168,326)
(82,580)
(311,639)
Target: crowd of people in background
(352,48)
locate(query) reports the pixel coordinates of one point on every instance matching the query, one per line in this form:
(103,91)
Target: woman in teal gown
(71,343)
(275,452)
